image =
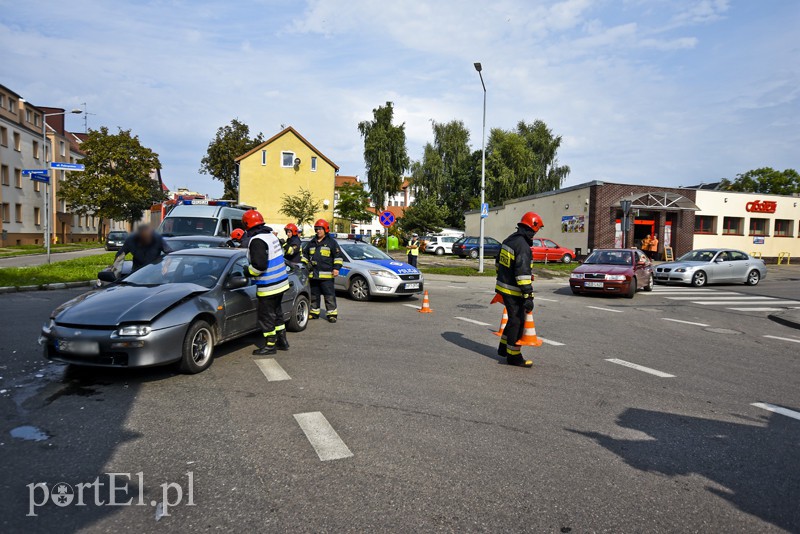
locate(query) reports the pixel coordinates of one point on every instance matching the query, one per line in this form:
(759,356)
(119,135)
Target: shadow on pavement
(758,465)
(458,339)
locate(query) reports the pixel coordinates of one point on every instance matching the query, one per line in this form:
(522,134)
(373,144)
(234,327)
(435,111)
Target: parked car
(177,309)
(115,240)
(439,244)
(615,271)
(468,247)
(548,250)
(368,271)
(711,266)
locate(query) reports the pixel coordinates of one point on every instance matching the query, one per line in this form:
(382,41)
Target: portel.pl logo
(111,492)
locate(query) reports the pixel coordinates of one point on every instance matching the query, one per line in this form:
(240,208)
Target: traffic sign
(387,219)
(67,166)
(40,178)
(26,172)
(484,210)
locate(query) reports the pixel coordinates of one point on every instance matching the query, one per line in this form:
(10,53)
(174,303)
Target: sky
(662,92)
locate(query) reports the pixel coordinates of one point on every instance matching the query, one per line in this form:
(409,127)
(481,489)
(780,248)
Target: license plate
(412,286)
(593,284)
(78,347)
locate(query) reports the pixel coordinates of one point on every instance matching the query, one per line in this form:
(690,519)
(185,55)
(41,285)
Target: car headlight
(381,273)
(578,276)
(617,277)
(681,270)
(136,330)
(49,325)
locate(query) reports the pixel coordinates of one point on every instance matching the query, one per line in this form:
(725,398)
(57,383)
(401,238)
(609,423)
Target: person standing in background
(413,250)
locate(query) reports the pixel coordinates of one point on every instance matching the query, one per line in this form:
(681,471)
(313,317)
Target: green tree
(385,153)
(547,174)
(116,183)
(301,207)
(230,142)
(425,216)
(765,180)
(353,203)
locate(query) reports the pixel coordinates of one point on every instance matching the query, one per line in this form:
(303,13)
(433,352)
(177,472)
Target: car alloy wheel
(439,251)
(650,282)
(473,253)
(201,346)
(753,278)
(198,348)
(359,289)
(566,258)
(699,279)
(300,312)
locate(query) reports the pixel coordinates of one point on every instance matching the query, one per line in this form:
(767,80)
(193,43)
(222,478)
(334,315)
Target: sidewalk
(39,259)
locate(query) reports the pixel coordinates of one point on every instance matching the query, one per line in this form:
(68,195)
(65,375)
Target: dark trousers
(270,317)
(515,327)
(326,289)
(412,260)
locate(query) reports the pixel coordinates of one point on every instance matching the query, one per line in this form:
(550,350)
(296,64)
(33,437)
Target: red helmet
(323,223)
(252,218)
(532,221)
(292,228)
(237,234)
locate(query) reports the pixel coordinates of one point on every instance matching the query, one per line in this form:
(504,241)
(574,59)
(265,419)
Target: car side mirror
(106,276)
(718,260)
(236,282)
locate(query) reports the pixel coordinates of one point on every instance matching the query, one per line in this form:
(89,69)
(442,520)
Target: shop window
(759,226)
(783,227)
(705,224)
(733,226)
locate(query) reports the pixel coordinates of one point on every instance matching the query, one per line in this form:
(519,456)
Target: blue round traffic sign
(387,219)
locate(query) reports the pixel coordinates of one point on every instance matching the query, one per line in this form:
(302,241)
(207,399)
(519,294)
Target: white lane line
(550,342)
(546,300)
(777,409)
(731,297)
(793,340)
(272,370)
(640,368)
(683,322)
(756,309)
(412,306)
(741,302)
(322,436)
(604,309)
(473,321)
(682,290)
(685,293)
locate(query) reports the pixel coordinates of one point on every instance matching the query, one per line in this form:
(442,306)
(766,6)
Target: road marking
(457,287)
(756,309)
(546,300)
(683,322)
(793,340)
(322,436)
(741,302)
(550,342)
(473,321)
(640,368)
(272,370)
(412,306)
(604,309)
(777,409)
(732,297)
(681,290)
(691,292)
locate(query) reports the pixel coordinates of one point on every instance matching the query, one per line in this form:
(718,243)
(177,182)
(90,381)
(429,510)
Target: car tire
(699,279)
(300,312)
(631,289)
(473,253)
(753,277)
(650,283)
(198,348)
(440,251)
(566,258)
(358,289)
(576,292)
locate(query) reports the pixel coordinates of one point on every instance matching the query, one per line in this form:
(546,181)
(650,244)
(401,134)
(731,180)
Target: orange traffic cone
(529,334)
(426,304)
(503,322)
(497,298)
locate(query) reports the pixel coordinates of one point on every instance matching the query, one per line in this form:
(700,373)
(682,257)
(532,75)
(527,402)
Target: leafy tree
(230,142)
(116,183)
(353,203)
(425,216)
(765,180)
(385,153)
(547,174)
(301,207)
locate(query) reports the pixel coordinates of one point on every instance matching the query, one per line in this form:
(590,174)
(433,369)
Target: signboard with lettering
(761,206)
(758,240)
(668,255)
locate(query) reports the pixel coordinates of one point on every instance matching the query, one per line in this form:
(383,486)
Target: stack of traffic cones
(426,304)
(529,334)
(503,322)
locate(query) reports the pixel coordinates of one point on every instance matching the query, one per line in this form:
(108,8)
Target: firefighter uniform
(322,257)
(293,249)
(413,250)
(268,270)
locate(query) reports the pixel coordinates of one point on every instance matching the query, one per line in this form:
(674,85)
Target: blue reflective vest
(276,278)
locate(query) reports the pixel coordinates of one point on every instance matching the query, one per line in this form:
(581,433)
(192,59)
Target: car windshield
(698,255)
(363,252)
(173,226)
(179,269)
(117,235)
(460,240)
(610,257)
(181,244)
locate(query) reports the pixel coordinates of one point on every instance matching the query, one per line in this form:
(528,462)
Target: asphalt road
(429,430)
(40,259)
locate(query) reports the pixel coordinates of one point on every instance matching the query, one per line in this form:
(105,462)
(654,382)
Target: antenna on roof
(86,118)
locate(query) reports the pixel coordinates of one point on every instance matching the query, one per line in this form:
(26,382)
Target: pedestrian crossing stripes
(728,300)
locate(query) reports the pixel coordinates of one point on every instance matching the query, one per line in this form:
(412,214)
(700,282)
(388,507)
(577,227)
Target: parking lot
(674,411)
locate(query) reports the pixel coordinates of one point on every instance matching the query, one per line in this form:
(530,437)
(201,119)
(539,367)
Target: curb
(781,318)
(46,287)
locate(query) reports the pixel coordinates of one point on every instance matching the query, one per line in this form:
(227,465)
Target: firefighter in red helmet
(236,238)
(324,258)
(514,285)
(293,247)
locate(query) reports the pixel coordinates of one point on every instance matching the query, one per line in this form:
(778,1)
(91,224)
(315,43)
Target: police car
(369,272)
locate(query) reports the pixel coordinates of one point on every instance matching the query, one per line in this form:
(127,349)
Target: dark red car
(619,271)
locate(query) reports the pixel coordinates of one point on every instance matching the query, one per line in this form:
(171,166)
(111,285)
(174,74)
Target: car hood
(605,269)
(124,304)
(397,267)
(682,264)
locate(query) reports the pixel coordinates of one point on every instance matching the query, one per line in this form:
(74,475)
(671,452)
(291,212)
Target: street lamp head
(478,67)
(76,111)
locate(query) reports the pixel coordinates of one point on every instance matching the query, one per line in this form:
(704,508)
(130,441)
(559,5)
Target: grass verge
(27,250)
(76,270)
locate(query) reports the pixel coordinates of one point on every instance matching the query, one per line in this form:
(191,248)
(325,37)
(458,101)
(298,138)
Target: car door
(642,269)
(721,268)
(538,251)
(447,243)
(340,282)
(551,250)
(740,265)
(240,304)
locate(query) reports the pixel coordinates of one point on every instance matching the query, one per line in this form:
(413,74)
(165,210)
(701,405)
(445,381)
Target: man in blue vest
(265,254)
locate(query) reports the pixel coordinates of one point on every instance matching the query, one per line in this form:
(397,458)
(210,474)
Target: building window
(18,178)
(313,163)
(18,212)
(63,147)
(759,226)
(28,115)
(733,226)
(287,159)
(705,224)
(37,186)
(6,212)
(4,175)
(3,136)
(2,101)
(783,227)
(263,157)
(36,119)
(36,149)
(12,105)
(37,216)
(17,142)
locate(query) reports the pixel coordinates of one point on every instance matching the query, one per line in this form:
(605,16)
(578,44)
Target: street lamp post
(48,219)
(483,169)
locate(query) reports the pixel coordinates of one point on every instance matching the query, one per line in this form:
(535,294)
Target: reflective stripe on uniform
(266,291)
(332,312)
(507,289)
(280,327)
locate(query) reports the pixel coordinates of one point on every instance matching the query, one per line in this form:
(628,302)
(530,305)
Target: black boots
(283,343)
(268,348)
